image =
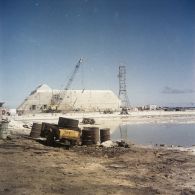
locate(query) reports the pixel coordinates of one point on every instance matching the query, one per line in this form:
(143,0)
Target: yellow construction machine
(66,132)
(66,136)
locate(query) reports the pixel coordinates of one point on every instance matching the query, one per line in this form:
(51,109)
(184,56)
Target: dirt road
(29,167)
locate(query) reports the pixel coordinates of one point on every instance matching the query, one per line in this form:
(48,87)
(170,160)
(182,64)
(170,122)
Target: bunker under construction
(40,100)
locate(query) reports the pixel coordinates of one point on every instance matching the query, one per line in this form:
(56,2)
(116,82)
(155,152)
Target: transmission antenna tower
(125,105)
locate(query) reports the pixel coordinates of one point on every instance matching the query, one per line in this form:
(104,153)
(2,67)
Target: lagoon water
(169,134)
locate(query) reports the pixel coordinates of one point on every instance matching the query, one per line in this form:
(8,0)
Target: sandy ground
(30,167)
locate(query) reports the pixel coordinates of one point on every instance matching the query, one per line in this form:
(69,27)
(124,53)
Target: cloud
(169,90)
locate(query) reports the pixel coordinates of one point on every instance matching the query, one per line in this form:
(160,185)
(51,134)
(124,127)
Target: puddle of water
(169,134)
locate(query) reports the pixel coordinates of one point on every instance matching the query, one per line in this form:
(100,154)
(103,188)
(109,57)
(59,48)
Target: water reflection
(169,134)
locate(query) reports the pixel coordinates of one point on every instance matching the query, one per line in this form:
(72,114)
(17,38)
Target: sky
(42,40)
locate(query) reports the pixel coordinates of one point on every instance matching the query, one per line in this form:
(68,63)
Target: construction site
(97,97)
(46,100)
(60,142)
(42,100)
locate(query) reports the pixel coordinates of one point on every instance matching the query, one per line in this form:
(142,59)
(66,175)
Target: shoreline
(111,121)
(96,115)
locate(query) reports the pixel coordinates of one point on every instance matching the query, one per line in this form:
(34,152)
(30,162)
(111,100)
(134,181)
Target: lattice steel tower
(122,88)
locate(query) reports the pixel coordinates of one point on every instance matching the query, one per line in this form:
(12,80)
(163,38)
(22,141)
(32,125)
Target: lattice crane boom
(73,74)
(58,98)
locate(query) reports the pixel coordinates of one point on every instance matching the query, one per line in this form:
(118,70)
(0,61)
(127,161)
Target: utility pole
(125,105)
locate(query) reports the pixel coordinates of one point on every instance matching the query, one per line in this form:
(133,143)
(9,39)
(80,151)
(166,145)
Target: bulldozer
(66,132)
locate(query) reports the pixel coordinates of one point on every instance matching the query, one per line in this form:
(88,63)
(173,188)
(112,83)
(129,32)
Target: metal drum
(4,130)
(36,130)
(104,135)
(90,135)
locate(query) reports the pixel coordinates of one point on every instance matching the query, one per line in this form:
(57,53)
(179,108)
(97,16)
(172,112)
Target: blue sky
(42,40)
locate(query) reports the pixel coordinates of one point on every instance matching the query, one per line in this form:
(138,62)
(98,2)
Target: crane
(73,74)
(57,99)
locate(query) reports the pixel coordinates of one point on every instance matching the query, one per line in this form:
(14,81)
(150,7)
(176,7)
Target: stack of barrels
(92,135)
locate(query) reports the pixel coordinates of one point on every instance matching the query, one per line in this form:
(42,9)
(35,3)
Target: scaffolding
(125,104)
